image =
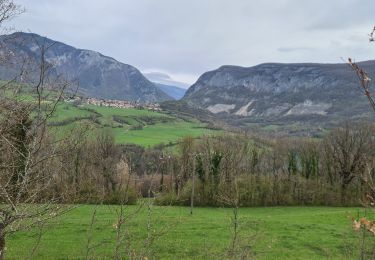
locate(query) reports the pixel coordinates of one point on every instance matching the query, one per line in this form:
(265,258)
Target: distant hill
(172,91)
(322,94)
(164,82)
(97,75)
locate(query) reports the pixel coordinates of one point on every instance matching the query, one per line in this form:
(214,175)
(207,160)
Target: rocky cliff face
(282,92)
(97,75)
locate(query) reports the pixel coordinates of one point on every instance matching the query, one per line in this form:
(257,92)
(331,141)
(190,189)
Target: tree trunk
(192,194)
(192,190)
(2,241)
(343,194)
(161,181)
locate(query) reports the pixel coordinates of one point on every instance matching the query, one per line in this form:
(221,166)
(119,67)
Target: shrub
(136,127)
(119,197)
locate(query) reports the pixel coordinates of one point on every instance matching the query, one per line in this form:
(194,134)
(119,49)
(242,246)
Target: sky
(185,38)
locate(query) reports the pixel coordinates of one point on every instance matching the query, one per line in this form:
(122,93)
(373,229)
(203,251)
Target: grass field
(275,233)
(142,127)
(138,126)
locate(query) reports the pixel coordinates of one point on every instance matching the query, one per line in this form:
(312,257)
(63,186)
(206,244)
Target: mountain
(172,91)
(323,94)
(97,75)
(164,82)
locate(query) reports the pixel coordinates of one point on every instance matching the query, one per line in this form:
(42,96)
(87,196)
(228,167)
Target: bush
(120,120)
(262,191)
(121,197)
(136,127)
(170,198)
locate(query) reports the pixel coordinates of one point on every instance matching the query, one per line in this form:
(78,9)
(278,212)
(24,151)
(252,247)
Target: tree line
(260,172)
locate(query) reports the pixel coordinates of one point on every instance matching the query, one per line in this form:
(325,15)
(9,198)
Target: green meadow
(138,126)
(269,233)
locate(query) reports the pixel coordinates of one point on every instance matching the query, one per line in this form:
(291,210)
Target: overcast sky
(185,38)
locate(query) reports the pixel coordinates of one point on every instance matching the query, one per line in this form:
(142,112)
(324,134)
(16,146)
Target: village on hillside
(125,104)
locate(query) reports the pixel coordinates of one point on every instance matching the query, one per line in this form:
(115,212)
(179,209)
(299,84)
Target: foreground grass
(271,233)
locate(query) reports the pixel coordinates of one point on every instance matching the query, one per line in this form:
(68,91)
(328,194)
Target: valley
(125,133)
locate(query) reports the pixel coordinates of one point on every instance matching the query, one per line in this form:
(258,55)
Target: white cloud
(164,77)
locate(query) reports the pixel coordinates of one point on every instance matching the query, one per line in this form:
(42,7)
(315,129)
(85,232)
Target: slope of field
(272,233)
(138,126)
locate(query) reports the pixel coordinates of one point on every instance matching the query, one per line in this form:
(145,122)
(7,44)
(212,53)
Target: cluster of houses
(114,103)
(111,103)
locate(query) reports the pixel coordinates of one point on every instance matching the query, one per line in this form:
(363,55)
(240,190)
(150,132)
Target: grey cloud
(292,49)
(343,14)
(188,37)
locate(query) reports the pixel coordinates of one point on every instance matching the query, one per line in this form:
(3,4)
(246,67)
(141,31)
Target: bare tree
(28,152)
(349,149)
